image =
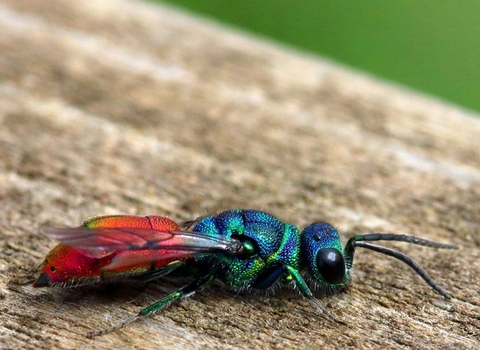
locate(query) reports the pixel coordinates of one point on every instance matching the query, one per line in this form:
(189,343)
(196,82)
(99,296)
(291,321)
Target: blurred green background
(431,46)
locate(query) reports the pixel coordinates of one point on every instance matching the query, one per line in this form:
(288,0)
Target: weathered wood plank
(122,107)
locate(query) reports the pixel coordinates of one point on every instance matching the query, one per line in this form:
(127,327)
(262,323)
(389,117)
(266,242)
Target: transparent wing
(120,239)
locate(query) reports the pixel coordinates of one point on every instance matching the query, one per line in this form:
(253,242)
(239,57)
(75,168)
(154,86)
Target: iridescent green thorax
(276,244)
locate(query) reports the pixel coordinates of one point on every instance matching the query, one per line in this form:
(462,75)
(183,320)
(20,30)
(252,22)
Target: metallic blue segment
(288,253)
(260,217)
(230,222)
(265,229)
(207,225)
(315,237)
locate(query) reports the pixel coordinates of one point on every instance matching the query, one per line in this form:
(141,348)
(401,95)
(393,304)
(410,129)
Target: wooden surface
(112,106)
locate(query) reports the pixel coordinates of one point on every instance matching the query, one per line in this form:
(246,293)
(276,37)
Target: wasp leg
(302,286)
(184,292)
(150,276)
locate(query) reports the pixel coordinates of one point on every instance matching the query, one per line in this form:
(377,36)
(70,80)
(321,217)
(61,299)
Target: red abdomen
(68,266)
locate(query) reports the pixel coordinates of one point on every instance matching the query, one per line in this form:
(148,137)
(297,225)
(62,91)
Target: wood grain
(112,106)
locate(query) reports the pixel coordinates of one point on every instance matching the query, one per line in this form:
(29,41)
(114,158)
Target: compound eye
(331,265)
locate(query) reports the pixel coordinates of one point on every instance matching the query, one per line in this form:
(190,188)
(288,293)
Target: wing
(120,239)
(138,246)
